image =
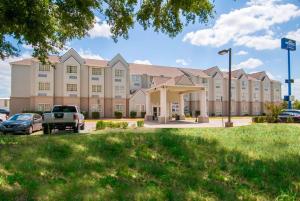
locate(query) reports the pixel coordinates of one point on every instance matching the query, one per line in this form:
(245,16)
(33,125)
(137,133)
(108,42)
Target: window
(44,107)
(140,107)
(135,78)
(45,67)
(96,71)
(119,108)
(204,81)
(96,88)
(44,86)
(71,87)
(71,69)
(119,73)
(175,107)
(119,90)
(96,108)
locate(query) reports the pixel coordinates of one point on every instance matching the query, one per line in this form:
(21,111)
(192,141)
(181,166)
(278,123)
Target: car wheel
(30,130)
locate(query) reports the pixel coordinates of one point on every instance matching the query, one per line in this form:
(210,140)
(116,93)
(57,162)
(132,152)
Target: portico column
(163,106)
(181,105)
(203,118)
(148,115)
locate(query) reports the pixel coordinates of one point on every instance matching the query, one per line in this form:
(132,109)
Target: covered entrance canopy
(159,100)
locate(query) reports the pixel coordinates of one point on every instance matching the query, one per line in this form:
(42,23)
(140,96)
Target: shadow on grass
(161,165)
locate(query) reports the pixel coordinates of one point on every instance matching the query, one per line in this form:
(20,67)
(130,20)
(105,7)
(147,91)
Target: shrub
(271,119)
(187,115)
(143,114)
(95,115)
(133,114)
(289,120)
(274,110)
(100,125)
(85,114)
(255,119)
(140,123)
(124,125)
(118,115)
(261,119)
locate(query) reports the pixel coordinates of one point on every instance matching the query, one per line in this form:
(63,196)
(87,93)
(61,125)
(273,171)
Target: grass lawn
(257,162)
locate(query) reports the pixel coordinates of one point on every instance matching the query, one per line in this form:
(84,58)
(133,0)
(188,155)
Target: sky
(252,28)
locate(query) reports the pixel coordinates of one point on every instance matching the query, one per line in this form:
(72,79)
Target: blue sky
(252,28)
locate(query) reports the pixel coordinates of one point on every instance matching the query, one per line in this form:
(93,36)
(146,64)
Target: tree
(48,24)
(296,104)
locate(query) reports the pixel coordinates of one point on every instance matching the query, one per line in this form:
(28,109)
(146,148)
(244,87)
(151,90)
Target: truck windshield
(65,109)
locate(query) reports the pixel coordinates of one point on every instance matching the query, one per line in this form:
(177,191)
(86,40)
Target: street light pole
(228,123)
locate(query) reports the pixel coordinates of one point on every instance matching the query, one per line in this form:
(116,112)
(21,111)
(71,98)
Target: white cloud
(89,55)
(249,26)
(295,35)
(241,53)
(100,29)
(182,62)
(295,89)
(5,75)
(146,61)
(251,63)
(258,42)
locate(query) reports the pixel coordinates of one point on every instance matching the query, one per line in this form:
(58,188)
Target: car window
(21,117)
(65,109)
(36,116)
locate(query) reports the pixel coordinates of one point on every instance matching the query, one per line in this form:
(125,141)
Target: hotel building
(116,85)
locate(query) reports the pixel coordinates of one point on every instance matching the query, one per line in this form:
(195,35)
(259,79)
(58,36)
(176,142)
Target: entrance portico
(164,101)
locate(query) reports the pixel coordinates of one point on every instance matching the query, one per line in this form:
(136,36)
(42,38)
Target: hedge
(100,125)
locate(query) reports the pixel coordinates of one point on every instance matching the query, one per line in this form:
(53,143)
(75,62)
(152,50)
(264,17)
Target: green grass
(258,162)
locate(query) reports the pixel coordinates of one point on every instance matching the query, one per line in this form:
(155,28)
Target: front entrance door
(156,113)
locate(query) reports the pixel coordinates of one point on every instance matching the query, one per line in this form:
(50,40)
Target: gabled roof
(259,75)
(158,80)
(238,73)
(211,71)
(195,72)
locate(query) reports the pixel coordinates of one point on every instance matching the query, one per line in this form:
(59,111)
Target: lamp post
(223,52)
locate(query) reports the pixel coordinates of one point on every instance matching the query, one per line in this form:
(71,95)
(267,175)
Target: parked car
(4,111)
(294,114)
(3,117)
(63,117)
(22,123)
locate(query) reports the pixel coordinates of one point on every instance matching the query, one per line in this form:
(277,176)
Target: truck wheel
(82,127)
(46,130)
(77,129)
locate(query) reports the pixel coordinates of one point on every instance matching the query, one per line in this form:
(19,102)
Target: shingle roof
(153,70)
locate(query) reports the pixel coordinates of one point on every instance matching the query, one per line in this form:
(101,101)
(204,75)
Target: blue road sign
(288,44)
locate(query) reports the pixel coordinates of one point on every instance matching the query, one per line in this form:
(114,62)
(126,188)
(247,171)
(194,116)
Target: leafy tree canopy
(48,24)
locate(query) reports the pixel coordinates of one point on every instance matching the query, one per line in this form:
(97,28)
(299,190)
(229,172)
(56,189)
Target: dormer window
(71,69)
(119,73)
(44,68)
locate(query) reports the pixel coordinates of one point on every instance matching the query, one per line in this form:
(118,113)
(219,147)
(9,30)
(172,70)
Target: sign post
(289,45)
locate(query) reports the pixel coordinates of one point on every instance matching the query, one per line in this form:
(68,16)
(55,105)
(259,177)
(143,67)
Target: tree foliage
(48,24)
